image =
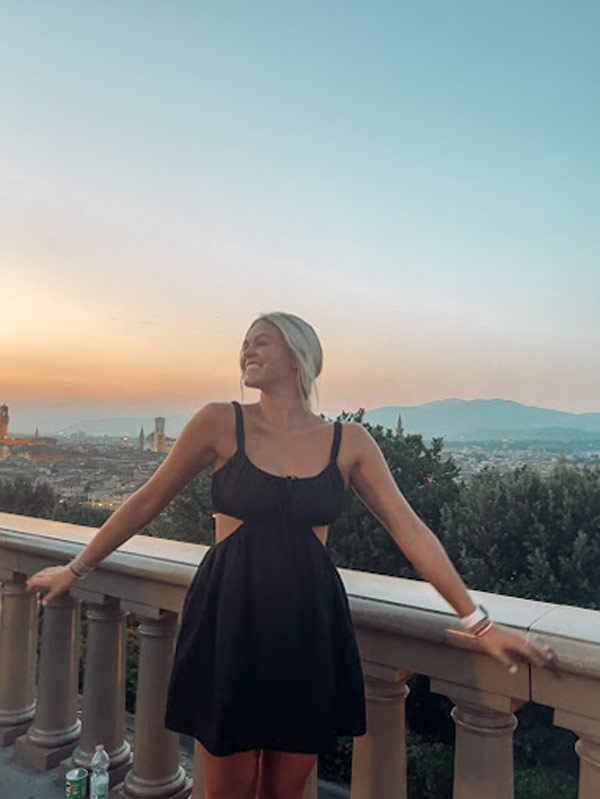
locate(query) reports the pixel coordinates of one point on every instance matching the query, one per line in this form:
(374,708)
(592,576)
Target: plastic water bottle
(99,777)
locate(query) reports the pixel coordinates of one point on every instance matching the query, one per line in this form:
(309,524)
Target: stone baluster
(56,728)
(483,756)
(379,756)
(103,706)
(18,653)
(156,770)
(588,749)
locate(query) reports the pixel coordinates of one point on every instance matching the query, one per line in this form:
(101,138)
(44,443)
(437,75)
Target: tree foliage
(188,517)
(527,535)
(26,497)
(357,540)
(37,498)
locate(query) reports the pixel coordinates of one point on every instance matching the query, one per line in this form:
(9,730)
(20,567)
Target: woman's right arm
(193,450)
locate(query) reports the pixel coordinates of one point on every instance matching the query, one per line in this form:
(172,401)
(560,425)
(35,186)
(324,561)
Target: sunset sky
(418,180)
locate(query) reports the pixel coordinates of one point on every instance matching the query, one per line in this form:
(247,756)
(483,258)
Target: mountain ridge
(453,418)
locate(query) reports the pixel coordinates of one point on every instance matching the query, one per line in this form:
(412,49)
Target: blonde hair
(305,346)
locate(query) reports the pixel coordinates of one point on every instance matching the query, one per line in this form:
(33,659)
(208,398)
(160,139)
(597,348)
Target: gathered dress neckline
(241,453)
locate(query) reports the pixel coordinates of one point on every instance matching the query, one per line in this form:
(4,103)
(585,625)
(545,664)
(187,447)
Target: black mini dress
(266,655)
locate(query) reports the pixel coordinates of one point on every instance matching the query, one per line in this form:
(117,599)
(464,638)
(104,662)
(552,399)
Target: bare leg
(230,776)
(282,775)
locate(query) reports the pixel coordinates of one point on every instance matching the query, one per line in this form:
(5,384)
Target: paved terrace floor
(20,782)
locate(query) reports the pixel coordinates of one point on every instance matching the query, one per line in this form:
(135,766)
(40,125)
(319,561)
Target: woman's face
(265,358)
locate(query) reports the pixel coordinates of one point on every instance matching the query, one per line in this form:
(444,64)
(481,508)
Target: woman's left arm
(373,483)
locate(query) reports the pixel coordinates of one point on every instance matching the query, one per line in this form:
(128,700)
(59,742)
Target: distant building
(6,441)
(159,434)
(141,440)
(156,441)
(399,428)
(3,422)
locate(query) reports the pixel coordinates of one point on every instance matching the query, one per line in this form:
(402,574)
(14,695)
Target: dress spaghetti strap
(337,435)
(239,424)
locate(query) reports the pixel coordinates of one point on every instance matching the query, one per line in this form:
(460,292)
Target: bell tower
(399,428)
(159,434)
(3,422)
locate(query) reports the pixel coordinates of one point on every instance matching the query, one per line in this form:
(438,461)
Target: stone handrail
(403,627)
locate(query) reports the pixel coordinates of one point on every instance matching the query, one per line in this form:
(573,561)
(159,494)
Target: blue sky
(418,180)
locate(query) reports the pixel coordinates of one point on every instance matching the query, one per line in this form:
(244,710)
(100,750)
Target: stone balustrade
(403,628)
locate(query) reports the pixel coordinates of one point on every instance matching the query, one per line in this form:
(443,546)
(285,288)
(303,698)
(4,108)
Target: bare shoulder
(217,413)
(213,422)
(357,437)
(207,415)
(218,410)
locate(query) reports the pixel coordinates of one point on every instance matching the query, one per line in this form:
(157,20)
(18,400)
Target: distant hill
(454,419)
(485,420)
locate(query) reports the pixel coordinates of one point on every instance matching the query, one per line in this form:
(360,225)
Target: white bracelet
(78,568)
(481,631)
(478,615)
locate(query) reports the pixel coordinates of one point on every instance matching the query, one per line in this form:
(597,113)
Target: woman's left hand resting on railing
(513,648)
(373,483)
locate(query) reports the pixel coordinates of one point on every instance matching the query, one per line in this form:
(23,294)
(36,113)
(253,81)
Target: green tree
(188,517)
(526,535)
(427,481)
(76,512)
(26,497)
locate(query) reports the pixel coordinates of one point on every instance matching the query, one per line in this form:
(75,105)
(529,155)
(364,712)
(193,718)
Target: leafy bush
(132,657)
(335,765)
(544,783)
(429,768)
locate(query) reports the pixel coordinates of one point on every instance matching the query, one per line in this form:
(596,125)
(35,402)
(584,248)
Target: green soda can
(77,782)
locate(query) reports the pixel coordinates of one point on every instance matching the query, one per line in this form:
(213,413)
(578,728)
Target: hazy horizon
(418,181)
(50,422)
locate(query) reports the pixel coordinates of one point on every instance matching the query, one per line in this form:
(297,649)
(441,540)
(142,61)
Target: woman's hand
(513,648)
(56,578)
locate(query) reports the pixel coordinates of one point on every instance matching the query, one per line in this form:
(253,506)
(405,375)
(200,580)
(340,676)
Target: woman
(266,670)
